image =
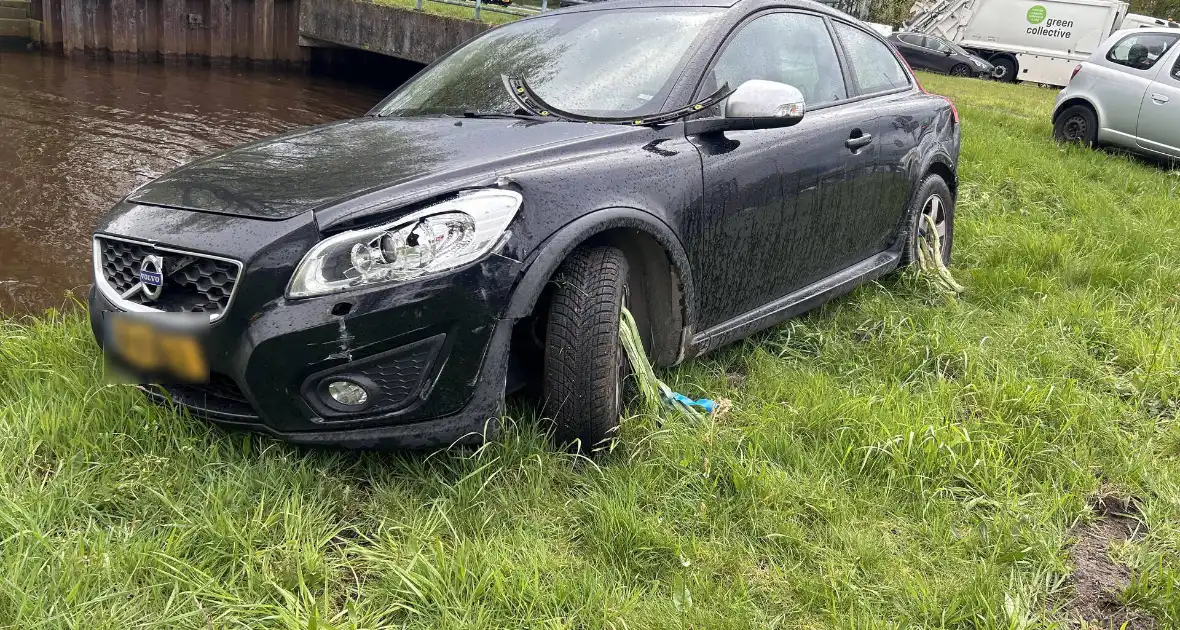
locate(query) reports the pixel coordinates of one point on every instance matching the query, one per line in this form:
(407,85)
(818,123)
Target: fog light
(348,393)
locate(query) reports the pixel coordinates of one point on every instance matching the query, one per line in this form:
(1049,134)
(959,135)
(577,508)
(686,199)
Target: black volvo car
(716,166)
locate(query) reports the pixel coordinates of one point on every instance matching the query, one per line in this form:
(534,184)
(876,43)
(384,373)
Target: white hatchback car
(1127,94)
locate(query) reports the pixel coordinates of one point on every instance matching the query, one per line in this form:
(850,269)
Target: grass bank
(453,11)
(897,459)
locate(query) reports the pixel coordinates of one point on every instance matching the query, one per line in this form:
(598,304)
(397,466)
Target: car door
(1129,69)
(774,215)
(941,52)
(913,48)
(1159,116)
(882,86)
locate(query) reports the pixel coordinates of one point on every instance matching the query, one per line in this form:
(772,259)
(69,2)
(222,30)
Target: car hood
(287,175)
(977,58)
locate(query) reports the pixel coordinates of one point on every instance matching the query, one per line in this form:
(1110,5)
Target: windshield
(944,45)
(599,63)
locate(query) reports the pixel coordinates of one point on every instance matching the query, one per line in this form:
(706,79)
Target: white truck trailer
(1028,40)
(1133,20)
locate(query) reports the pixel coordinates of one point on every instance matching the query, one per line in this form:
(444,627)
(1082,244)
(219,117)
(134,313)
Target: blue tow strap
(654,390)
(704,403)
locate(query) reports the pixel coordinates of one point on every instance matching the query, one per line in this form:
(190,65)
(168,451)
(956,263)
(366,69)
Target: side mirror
(756,104)
(948,53)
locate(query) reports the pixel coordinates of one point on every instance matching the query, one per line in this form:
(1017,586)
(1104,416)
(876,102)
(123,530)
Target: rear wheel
(1076,125)
(1005,69)
(961,70)
(934,199)
(584,360)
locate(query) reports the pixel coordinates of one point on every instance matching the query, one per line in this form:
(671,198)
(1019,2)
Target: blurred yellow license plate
(158,347)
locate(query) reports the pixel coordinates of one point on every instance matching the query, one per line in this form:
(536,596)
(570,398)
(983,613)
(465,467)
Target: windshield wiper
(481,113)
(528,100)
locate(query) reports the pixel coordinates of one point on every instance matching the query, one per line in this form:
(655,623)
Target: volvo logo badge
(151,276)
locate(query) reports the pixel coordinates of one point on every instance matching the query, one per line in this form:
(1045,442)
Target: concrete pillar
(221,32)
(172,32)
(262,43)
(73,27)
(124,24)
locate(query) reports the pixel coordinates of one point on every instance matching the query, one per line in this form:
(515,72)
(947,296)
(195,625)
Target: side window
(873,65)
(937,44)
(913,40)
(1176,70)
(791,48)
(1141,51)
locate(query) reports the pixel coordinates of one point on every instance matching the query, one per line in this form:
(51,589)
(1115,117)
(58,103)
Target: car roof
(726,4)
(1163,30)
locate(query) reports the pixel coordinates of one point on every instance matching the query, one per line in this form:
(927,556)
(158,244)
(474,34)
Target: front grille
(193,283)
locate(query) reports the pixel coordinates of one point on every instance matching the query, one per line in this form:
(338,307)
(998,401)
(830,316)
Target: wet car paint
(279,178)
(719,226)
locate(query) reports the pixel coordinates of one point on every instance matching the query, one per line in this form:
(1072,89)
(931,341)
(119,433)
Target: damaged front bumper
(432,353)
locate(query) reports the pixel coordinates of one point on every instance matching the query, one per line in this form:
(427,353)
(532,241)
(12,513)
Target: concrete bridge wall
(403,33)
(215,31)
(260,32)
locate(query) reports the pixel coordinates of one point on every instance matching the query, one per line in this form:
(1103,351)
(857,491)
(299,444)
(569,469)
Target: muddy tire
(1077,124)
(584,360)
(934,198)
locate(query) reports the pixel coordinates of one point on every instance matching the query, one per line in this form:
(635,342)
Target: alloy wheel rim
(935,208)
(962,71)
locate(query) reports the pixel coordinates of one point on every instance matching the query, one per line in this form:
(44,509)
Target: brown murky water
(76,136)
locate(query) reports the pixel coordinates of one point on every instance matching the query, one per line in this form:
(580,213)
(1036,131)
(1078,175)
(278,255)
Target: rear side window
(791,48)
(937,44)
(874,67)
(1176,70)
(1142,50)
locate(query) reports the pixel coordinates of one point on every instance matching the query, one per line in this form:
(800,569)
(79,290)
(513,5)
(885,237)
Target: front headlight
(443,236)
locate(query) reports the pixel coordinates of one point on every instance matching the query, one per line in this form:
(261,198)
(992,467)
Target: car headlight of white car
(435,239)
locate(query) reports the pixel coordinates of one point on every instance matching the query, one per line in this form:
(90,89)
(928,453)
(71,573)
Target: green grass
(896,459)
(452,11)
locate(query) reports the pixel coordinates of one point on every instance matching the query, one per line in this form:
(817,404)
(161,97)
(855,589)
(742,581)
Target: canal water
(75,136)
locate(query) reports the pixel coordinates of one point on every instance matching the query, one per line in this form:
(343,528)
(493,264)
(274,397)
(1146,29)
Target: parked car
(1127,94)
(387,280)
(1037,42)
(927,52)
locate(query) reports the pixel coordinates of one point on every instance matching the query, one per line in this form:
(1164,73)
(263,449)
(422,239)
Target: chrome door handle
(1159,98)
(859,142)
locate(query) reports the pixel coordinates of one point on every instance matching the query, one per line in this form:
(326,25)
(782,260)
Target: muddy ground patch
(1098,581)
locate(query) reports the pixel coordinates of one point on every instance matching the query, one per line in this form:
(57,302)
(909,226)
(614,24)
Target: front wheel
(961,70)
(934,199)
(584,361)
(1076,125)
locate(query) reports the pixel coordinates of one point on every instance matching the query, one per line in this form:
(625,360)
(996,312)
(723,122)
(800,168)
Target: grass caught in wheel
(897,459)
